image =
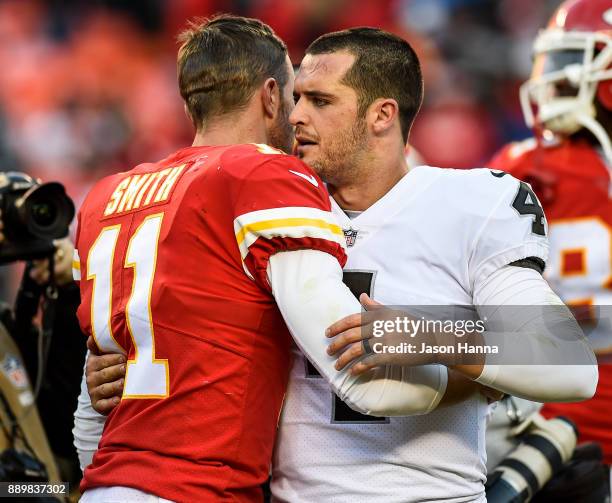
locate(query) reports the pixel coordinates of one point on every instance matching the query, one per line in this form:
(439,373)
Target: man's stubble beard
(341,163)
(281,134)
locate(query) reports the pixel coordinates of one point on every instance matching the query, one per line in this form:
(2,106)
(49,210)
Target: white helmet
(572,67)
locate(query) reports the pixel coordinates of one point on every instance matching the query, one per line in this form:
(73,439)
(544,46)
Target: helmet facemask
(560,95)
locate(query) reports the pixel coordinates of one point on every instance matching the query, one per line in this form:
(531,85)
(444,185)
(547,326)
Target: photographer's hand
(104,376)
(64,250)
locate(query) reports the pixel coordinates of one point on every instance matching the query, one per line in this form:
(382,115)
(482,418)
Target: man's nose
(297,117)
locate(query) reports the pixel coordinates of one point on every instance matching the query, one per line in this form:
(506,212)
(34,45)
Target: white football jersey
(425,242)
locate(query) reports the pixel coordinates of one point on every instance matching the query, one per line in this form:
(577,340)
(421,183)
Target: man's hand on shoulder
(105,375)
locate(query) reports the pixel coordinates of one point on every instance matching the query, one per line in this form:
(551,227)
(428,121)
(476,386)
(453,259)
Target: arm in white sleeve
(88,426)
(308,288)
(544,345)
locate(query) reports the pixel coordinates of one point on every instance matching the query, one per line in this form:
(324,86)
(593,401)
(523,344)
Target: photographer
(45,317)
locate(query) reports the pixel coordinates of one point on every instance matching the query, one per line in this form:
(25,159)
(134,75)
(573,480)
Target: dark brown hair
(221,62)
(385,66)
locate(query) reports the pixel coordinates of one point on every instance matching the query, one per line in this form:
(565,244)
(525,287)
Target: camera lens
(33,215)
(44,213)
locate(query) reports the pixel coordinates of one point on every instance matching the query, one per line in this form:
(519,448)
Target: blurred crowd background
(89,88)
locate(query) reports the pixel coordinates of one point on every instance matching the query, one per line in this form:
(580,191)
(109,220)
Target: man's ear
(270,97)
(382,114)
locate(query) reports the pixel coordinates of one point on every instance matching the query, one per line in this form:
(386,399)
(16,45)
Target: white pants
(118,494)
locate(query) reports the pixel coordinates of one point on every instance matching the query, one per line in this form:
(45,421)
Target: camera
(541,453)
(34,214)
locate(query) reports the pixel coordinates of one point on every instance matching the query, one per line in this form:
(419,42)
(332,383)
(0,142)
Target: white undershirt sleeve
(308,288)
(546,354)
(88,426)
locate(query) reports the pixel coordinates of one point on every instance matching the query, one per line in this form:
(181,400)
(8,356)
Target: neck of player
(372,179)
(232,129)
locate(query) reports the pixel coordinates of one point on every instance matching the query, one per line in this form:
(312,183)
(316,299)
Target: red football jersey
(173,259)
(572,181)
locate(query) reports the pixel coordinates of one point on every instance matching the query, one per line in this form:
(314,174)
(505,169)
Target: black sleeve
(62,382)
(535,263)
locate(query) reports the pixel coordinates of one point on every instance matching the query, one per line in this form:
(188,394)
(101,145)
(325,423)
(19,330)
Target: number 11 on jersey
(146,376)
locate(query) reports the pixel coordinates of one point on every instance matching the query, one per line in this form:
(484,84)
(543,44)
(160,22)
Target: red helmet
(572,67)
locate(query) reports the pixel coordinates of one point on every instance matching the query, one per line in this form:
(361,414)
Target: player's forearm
(539,350)
(309,292)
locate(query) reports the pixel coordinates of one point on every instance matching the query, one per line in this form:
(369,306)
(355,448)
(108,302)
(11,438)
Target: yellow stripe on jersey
(76,266)
(258,227)
(293,222)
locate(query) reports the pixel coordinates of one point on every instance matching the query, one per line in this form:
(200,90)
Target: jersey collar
(386,207)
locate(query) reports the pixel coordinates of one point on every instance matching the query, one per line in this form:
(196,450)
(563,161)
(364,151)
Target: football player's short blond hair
(221,62)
